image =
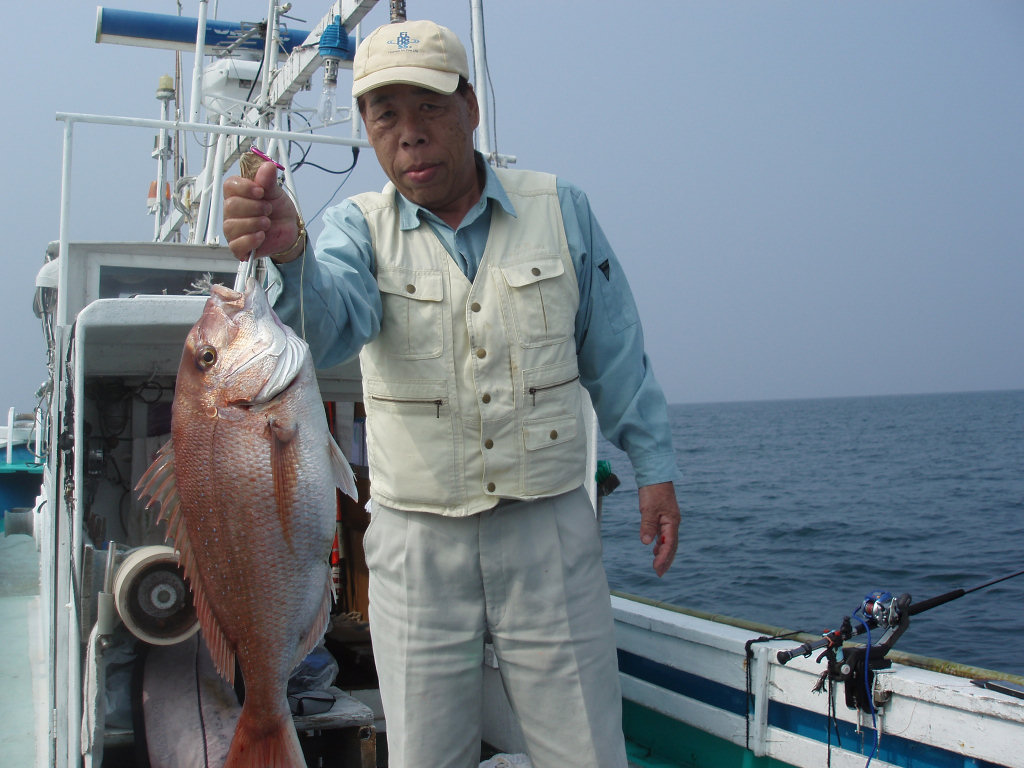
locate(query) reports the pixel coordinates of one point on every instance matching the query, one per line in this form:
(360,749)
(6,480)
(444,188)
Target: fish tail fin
(257,744)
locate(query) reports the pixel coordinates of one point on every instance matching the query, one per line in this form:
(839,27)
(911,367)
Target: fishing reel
(882,608)
(856,666)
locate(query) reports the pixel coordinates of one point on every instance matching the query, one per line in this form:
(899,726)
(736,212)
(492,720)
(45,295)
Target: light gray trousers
(530,573)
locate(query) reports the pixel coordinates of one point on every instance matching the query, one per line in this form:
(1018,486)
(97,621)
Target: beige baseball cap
(409,52)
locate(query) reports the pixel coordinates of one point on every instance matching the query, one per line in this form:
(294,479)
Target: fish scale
(247,488)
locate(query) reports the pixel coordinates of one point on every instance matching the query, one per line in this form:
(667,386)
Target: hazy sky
(810,199)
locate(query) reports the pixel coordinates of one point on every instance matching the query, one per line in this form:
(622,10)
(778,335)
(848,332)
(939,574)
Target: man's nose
(411,130)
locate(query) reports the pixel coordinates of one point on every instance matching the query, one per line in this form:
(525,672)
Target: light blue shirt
(342,311)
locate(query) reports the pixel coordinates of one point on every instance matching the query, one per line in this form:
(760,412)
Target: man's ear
(472,106)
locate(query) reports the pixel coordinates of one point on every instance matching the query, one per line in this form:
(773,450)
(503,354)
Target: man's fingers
(238,186)
(648,530)
(659,523)
(266,177)
(244,244)
(665,547)
(258,215)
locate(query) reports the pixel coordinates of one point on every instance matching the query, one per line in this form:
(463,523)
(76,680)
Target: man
(479,301)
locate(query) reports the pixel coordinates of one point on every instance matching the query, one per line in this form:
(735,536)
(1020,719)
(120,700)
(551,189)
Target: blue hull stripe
(802,722)
(692,686)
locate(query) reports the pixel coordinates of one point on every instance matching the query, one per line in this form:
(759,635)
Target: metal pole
(204,185)
(235,130)
(269,57)
(65,212)
(10,434)
(161,172)
(38,424)
(218,176)
(483,135)
(197,65)
(356,119)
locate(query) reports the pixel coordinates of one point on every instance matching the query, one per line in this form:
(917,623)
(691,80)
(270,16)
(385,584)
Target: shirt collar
(409,213)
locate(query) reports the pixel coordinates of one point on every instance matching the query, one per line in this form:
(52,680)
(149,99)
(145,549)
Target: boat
(21,469)
(698,689)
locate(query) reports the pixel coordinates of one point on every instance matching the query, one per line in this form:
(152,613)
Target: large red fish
(247,485)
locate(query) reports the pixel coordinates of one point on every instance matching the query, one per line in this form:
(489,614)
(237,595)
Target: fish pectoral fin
(343,477)
(283,466)
(282,430)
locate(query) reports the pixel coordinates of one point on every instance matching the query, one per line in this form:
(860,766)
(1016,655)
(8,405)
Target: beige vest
(471,390)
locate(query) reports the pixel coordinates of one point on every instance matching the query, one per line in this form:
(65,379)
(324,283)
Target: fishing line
(199,704)
(867,683)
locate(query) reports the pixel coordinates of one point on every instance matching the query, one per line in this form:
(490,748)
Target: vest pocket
(412,442)
(543,300)
(412,324)
(555,454)
(553,434)
(551,390)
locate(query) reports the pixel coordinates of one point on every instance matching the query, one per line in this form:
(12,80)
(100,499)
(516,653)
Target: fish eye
(206,357)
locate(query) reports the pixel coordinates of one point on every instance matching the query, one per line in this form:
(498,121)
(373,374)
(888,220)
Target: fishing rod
(856,667)
(883,610)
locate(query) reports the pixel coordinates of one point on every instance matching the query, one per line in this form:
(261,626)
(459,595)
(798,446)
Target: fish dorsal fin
(159,485)
(343,477)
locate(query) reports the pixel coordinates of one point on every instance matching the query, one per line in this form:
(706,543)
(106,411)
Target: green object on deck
(656,741)
(606,480)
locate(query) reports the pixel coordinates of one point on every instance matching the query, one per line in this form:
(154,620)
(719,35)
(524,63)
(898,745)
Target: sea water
(793,511)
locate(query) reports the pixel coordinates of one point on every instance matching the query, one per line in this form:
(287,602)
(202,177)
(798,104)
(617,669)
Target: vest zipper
(532,391)
(409,401)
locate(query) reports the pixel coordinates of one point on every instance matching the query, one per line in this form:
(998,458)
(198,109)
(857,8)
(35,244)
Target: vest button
(481,353)
(488,443)
(410,288)
(535,271)
(554,434)
(486,397)
(490,487)
(475,306)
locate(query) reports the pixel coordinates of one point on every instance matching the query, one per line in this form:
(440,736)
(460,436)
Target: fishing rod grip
(804,650)
(783,656)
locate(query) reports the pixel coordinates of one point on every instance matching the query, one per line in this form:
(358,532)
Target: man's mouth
(421,174)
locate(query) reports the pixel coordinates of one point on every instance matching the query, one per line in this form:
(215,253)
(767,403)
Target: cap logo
(403,42)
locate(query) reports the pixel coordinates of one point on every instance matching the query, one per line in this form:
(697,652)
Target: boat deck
(22,664)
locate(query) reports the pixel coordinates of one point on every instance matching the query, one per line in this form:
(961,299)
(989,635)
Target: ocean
(795,510)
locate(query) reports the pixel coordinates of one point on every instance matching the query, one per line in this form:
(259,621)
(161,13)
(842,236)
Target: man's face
(424,143)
